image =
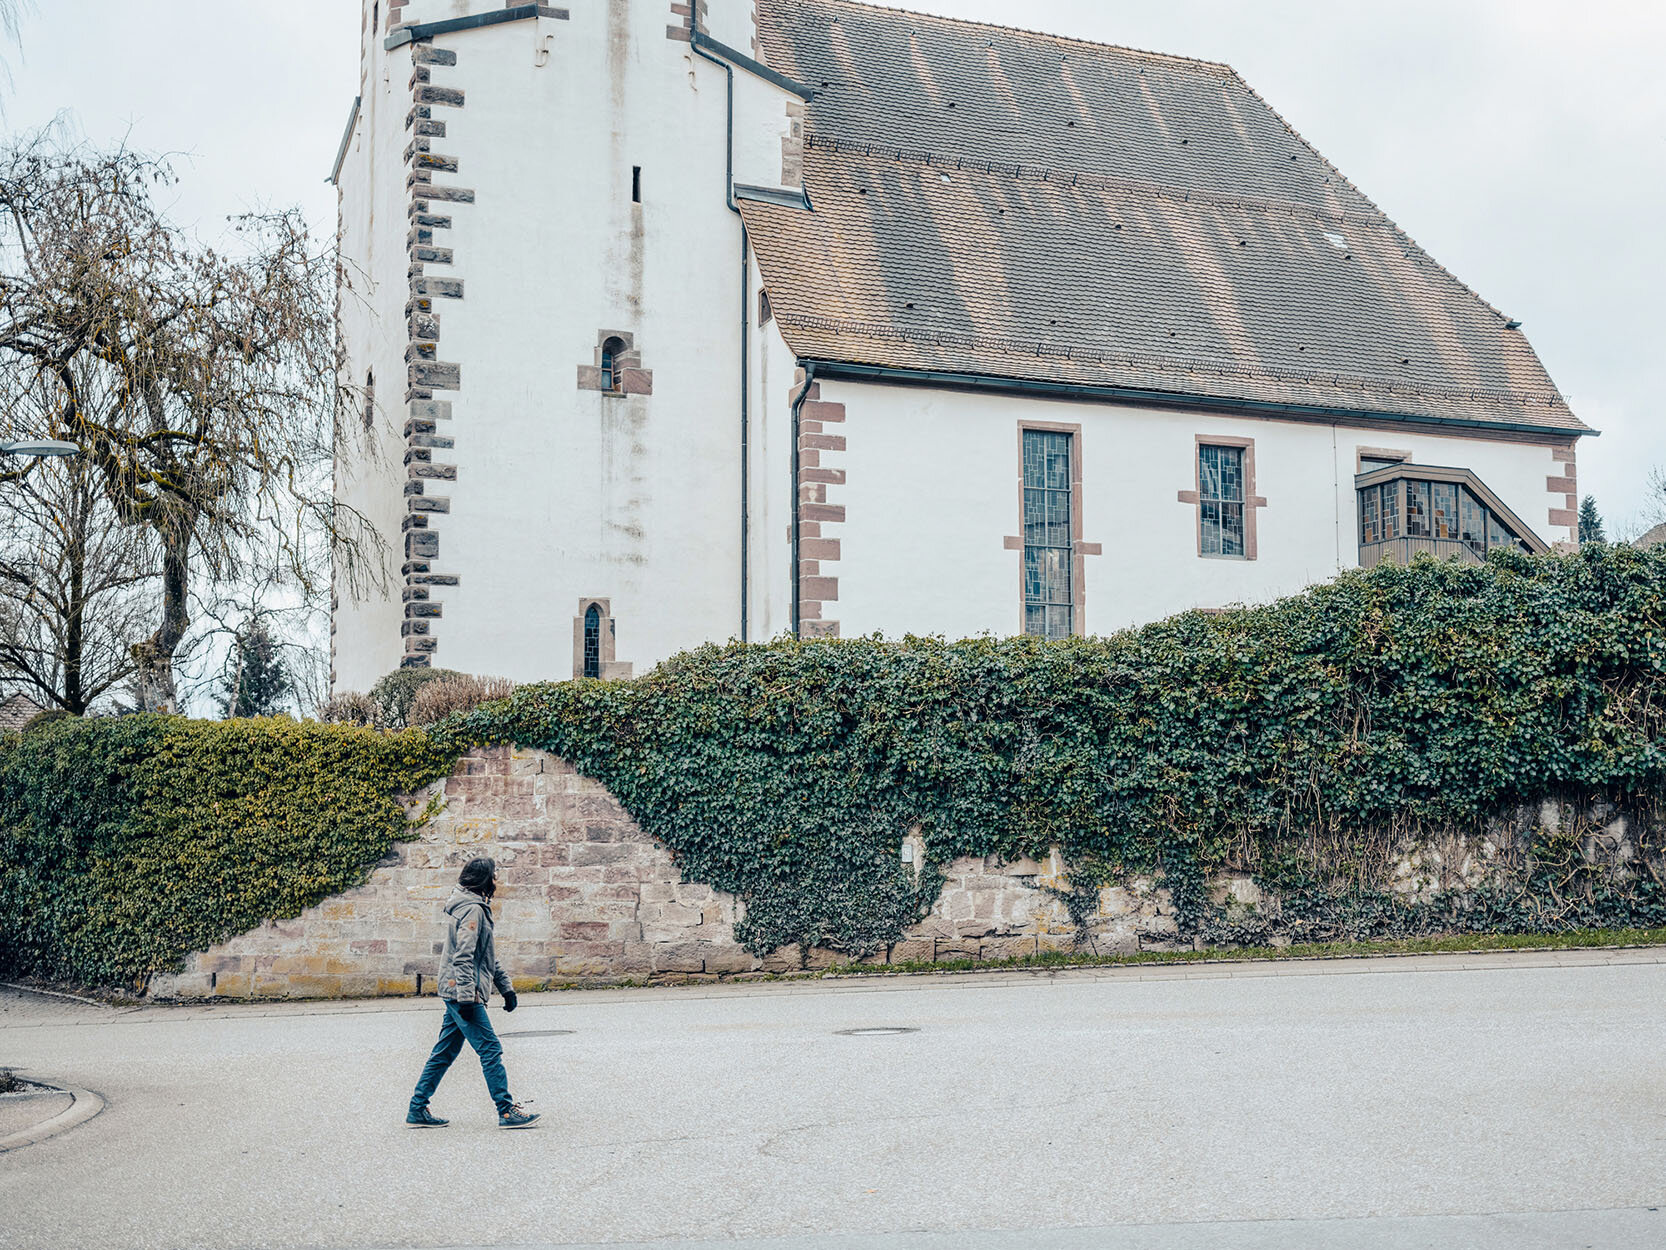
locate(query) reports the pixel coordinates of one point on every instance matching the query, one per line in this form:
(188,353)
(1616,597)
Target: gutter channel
(1172,399)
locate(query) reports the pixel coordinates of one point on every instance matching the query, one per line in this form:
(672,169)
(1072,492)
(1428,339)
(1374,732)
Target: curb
(84,1106)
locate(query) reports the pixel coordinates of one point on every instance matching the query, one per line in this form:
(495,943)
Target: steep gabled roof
(998,202)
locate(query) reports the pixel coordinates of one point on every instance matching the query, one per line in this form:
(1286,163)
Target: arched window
(612,375)
(593,641)
(369,398)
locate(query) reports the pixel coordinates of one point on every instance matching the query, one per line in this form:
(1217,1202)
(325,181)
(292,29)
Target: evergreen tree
(256,680)
(1590,522)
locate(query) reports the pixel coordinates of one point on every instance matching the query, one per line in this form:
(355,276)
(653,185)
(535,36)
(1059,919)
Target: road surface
(1490,1100)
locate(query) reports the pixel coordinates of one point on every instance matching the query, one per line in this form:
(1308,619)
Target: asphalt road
(1483,1101)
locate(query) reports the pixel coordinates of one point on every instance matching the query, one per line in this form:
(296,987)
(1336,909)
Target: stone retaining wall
(584,895)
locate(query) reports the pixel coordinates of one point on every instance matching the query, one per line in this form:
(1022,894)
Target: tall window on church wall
(369,399)
(1221,493)
(612,379)
(593,641)
(1047,534)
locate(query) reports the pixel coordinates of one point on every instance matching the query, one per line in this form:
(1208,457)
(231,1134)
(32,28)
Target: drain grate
(538,1033)
(881,1031)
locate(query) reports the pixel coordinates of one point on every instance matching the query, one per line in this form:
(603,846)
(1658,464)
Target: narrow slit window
(593,641)
(1048,533)
(1221,496)
(369,399)
(636,184)
(612,375)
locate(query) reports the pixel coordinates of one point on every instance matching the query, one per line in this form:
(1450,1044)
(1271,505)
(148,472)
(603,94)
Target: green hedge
(1299,741)
(126,844)
(1296,740)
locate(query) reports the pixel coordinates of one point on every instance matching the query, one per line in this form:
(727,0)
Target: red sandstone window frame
(1078,547)
(1253,503)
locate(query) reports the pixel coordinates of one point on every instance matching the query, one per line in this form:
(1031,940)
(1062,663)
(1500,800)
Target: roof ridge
(1070,40)
(1100,182)
(1168,364)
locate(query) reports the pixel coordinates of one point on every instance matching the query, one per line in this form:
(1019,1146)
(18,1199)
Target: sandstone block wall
(584,895)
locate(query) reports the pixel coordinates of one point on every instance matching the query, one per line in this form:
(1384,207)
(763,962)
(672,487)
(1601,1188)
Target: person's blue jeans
(465,1023)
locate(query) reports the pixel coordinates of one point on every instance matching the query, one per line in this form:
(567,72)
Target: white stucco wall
(773,366)
(932,492)
(562,493)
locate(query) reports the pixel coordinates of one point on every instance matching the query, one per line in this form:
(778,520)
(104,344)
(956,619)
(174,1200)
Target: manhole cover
(886,1031)
(538,1033)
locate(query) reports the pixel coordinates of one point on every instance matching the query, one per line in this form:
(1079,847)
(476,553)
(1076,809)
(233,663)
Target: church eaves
(1009,205)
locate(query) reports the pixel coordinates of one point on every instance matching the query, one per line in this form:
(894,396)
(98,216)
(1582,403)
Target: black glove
(469,1011)
(510,1000)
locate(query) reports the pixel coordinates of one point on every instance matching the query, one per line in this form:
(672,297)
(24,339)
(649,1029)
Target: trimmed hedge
(126,844)
(1301,741)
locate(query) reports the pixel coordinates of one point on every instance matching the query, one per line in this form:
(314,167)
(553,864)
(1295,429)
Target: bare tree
(12,13)
(200,385)
(295,626)
(75,588)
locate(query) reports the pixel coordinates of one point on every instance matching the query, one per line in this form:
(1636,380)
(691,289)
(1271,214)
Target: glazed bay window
(1405,509)
(1221,496)
(1048,534)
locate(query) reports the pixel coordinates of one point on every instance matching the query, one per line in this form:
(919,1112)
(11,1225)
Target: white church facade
(811,317)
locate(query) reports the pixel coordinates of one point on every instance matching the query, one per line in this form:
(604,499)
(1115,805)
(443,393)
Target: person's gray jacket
(468,965)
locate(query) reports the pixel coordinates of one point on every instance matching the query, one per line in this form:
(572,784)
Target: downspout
(745,432)
(798,403)
(745,421)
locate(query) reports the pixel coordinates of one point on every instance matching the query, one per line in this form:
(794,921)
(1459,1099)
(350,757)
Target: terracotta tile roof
(18,711)
(999,202)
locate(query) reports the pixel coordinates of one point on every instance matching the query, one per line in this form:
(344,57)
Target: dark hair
(479,875)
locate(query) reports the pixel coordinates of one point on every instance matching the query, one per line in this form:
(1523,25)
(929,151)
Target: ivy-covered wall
(126,844)
(1509,713)
(1305,742)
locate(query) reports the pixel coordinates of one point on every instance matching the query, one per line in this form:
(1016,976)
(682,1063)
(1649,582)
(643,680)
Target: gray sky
(1521,142)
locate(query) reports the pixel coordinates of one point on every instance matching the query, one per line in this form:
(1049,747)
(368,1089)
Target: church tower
(542,306)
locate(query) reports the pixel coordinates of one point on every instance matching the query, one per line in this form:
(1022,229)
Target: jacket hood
(461,898)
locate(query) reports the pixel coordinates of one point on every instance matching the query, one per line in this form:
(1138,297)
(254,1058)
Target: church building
(675,323)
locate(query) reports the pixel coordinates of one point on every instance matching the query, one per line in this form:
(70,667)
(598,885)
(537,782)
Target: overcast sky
(1521,142)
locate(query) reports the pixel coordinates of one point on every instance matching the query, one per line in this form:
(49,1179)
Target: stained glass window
(1445,508)
(1221,494)
(1413,508)
(1392,503)
(1370,516)
(1418,524)
(1047,534)
(593,641)
(1472,523)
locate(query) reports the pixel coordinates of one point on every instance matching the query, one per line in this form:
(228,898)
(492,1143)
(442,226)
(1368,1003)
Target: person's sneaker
(423,1119)
(516,1118)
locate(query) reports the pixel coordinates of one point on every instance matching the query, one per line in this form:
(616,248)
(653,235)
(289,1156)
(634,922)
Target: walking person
(468,970)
